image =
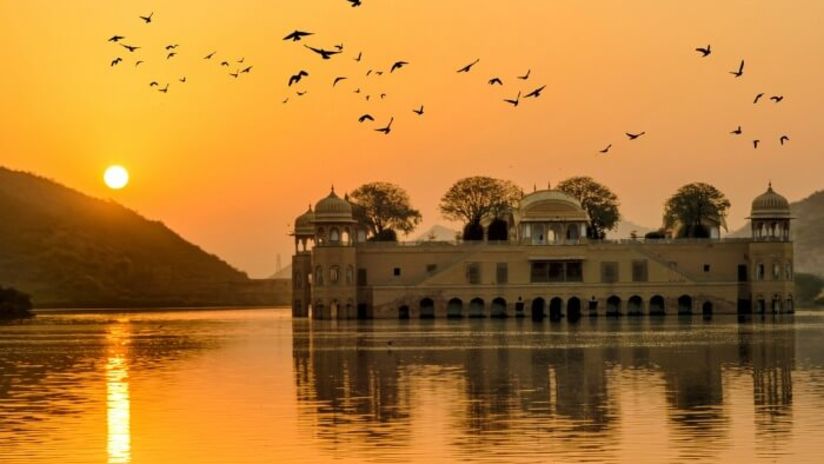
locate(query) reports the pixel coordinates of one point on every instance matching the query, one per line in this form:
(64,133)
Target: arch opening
(538,305)
(684,304)
(427,308)
(573,309)
(498,308)
(635,306)
(657,306)
(556,309)
(613,306)
(454,309)
(476,307)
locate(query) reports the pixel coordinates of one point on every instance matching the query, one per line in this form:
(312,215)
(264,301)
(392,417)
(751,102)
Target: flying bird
(535,93)
(147,19)
(366,117)
(183,79)
(338,79)
(383,95)
(170,55)
(246,70)
(736,131)
(379,73)
(397,65)
(606,149)
(235,74)
(354,3)
(138,62)
(164,89)
(525,76)
(224,63)
(116,61)
(285,100)
(495,80)
(153,84)
(339,47)
(515,101)
(755,143)
(357,90)
(297,35)
(297,77)
(468,67)
(209,56)
(758,97)
(300,94)
(360,55)
(419,111)
(783,139)
(777,98)
(704,51)
(388,127)
(241,60)
(325,54)
(740,71)
(171,46)
(635,136)
(130,48)
(115,38)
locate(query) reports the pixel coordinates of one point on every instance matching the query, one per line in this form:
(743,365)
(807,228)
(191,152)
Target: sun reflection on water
(119,440)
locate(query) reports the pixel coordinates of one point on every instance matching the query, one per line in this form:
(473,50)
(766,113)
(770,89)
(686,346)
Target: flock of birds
(396,66)
(170,52)
(705,52)
(325,54)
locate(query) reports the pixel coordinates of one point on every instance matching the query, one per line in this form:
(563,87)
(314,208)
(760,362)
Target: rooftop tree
(599,202)
(471,199)
(385,209)
(693,206)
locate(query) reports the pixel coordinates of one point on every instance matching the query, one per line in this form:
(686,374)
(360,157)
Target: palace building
(537,262)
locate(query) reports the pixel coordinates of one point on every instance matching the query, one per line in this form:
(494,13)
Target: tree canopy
(471,199)
(385,209)
(693,206)
(14,304)
(599,202)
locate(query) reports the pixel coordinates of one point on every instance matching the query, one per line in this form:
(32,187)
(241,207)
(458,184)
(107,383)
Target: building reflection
(506,385)
(118,407)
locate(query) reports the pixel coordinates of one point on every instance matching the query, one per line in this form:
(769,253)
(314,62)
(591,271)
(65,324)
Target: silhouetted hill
(624,229)
(68,249)
(807,232)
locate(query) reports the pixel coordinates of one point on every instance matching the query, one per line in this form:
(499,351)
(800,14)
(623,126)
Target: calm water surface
(255,386)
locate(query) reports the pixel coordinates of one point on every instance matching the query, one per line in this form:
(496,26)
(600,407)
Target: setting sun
(116,177)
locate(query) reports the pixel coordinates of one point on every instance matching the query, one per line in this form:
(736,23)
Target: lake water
(255,386)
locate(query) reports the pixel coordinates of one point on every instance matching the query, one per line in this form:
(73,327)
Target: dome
(551,205)
(303,223)
(770,205)
(333,208)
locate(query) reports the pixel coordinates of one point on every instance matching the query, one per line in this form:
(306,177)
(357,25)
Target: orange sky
(224,163)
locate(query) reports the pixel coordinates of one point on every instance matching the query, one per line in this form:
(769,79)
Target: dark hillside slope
(68,249)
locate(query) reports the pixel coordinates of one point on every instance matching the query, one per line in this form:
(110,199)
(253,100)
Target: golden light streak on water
(119,439)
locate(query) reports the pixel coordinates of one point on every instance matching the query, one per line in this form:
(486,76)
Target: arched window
(334,274)
(776,274)
(319,276)
(788,270)
(321,236)
(759,271)
(345,236)
(334,235)
(350,274)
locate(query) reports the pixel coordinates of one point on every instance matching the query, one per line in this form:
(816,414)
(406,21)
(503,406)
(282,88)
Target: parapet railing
(572,242)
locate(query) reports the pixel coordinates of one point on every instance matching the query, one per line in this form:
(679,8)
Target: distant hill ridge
(68,249)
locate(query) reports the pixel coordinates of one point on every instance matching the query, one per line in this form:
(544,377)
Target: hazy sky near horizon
(223,162)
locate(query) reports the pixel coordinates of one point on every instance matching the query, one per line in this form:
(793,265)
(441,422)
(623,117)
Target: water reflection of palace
(354,385)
